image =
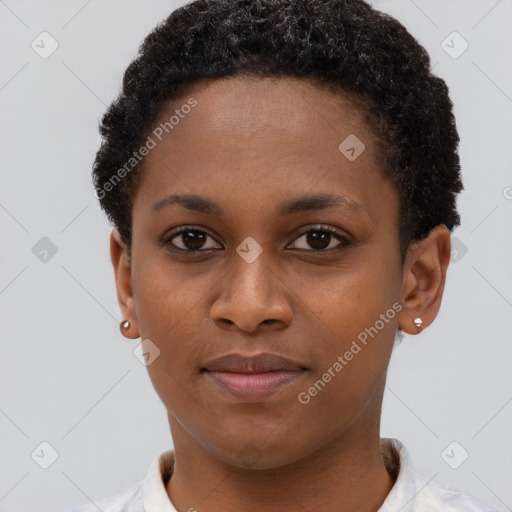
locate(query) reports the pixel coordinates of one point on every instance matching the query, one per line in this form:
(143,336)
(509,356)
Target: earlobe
(424,277)
(122,272)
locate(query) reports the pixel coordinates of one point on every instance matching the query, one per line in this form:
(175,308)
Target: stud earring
(124,325)
(417,322)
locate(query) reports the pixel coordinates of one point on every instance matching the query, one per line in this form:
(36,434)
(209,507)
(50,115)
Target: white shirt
(412,492)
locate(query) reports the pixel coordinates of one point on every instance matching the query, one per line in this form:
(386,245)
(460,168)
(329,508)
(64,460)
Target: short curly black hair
(345,45)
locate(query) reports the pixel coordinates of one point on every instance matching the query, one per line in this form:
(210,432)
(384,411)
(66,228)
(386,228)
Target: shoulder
(148,494)
(414,492)
(436,496)
(125,500)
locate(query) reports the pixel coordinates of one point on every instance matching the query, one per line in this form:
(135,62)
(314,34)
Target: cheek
(358,310)
(168,314)
(166,301)
(353,298)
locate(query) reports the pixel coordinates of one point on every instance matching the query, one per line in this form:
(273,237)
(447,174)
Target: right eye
(190,239)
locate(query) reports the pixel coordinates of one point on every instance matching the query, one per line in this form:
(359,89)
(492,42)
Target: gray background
(68,377)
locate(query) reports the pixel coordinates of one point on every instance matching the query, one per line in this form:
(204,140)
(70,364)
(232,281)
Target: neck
(346,475)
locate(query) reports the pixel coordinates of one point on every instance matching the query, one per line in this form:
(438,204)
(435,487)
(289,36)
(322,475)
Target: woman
(282,179)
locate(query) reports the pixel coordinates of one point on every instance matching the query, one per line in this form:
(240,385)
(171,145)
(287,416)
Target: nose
(253,298)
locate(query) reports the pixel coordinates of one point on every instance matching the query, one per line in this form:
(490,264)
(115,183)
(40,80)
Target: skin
(249,145)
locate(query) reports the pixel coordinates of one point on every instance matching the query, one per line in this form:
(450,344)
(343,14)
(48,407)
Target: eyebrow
(300,204)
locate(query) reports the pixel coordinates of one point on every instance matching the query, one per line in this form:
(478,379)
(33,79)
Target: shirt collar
(408,483)
(154,493)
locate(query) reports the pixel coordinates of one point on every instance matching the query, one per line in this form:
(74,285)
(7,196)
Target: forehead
(265,138)
(293,107)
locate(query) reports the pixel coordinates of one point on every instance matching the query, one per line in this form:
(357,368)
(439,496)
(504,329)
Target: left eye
(320,239)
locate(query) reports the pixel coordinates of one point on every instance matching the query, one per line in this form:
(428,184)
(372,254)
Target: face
(263,263)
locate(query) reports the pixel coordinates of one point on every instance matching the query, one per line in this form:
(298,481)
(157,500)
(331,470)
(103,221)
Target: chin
(253,455)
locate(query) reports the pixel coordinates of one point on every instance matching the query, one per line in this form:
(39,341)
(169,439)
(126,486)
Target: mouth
(253,377)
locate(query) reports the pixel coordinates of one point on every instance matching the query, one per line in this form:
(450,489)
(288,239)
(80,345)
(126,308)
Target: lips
(252,377)
(260,363)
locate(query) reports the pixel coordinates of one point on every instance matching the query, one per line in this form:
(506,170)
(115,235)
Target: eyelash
(320,228)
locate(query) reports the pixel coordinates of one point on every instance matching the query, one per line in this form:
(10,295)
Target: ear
(424,276)
(122,271)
